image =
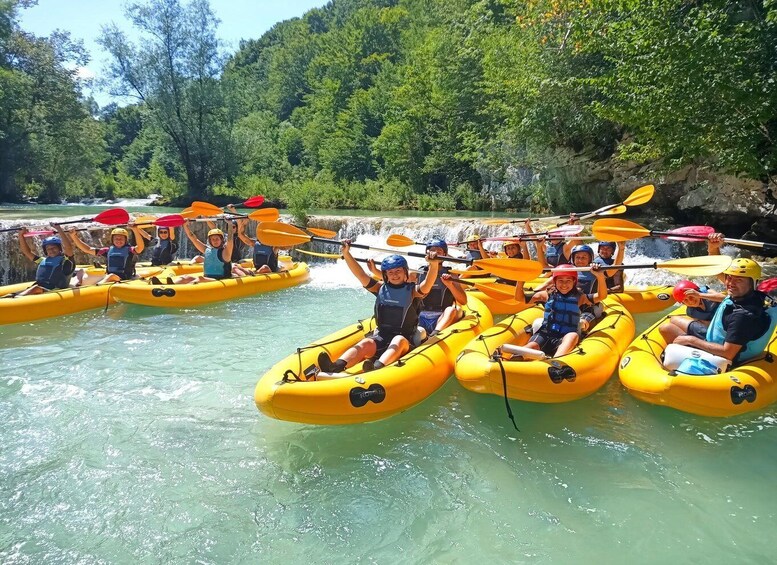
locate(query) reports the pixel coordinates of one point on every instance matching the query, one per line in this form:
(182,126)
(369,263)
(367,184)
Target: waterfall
(371,231)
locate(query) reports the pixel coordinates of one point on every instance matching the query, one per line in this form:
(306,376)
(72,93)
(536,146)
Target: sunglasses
(163,231)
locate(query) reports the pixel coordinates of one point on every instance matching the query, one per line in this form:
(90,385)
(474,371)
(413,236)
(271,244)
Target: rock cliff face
(694,194)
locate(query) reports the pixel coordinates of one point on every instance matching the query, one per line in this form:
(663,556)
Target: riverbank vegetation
(385,104)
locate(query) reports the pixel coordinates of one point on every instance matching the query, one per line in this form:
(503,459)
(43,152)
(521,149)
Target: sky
(240,19)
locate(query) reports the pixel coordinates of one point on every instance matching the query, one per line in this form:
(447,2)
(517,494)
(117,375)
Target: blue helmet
(606,244)
(581,249)
(438,243)
(393,262)
(53,240)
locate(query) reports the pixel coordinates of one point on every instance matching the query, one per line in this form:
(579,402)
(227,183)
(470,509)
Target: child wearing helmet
(165,249)
(120,255)
(217,252)
(556,251)
(396,313)
(265,257)
(701,305)
(606,256)
(475,249)
(54,267)
(559,333)
(439,308)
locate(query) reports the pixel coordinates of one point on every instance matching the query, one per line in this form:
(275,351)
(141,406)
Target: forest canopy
(381,104)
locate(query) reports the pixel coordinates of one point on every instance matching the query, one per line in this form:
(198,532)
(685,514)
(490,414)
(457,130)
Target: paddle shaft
(744,242)
(370,248)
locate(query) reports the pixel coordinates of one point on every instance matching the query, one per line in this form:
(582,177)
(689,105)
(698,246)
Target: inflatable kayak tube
(560,379)
(636,299)
(747,387)
(188,295)
(284,394)
(52,303)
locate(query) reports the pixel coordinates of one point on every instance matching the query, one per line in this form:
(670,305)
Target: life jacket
(121,262)
(704,314)
(439,298)
(213,266)
(716,333)
(396,311)
(473,254)
(237,249)
(554,254)
(562,313)
(611,281)
(587,283)
(163,251)
(264,255)
(51,273)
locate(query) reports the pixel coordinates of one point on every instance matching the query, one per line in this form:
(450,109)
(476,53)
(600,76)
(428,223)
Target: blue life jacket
(214,266)
(562,313)
(716,333)
(163,252)
(704,314)
(611,281)
(473,254)
(265,255)
(587,282)
(439,298)
(396,312)
(51,273)
(121,262)
(554,254)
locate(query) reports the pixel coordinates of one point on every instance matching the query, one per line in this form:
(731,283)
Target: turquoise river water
(131,436)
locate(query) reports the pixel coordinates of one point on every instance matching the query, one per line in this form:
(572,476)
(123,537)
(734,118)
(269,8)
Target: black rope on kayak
(498,358)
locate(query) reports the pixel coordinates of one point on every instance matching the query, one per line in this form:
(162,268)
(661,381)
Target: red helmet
(679,289)
(565,270)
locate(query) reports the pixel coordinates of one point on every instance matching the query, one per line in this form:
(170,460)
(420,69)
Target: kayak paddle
(638,197)
(396,240)
(613,212)
(622,230)
(263,215)
(704,266)
(111,217)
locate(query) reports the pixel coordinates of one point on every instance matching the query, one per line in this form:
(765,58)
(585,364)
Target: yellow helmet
(474,237)
(216,231)
(119,231)
(744,268)
(509,242)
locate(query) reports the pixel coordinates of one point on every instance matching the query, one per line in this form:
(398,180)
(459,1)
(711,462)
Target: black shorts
(697,329)
(548,343)
(383,340)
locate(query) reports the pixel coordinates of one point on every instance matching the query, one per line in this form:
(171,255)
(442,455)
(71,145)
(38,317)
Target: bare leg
(568,343)
(399,346)
(449,316)
(671,331)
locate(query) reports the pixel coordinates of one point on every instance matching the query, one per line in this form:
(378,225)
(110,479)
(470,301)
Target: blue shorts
(428,320)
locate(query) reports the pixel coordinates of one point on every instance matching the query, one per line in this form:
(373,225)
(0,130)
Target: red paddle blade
(112,217)
(33,233)
(254,202)
(171,221)
(696,233)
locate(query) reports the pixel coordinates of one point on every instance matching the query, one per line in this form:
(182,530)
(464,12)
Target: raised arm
(230,244)
(241,226)
(601,290)
(24,247)
(425,287)
(67,245)
(80,244)
(193,238)
(450,281)
(355,268)
(140,243)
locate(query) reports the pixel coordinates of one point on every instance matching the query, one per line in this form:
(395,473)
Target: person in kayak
(701,303)
(556,251)
(163,253)
(440,307)
(265,257)
(606,255)
(562,322)
(475,249)
(120,255)
(54,268)
(216,253)
(739,329)
(397,306)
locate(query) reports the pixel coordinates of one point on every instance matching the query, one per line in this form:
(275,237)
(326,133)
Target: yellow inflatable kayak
(637,299)
(745,388)
(283,392)
(51,304)
(187,295)
(560,379)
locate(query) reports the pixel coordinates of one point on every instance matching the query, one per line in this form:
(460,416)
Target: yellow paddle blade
(497,222)
(618,230)
(321,232)
(205,209)
(704,266)
(640,196)
(278,234)
(511,269)
(188,213)
(265,215)
(396,240)
(614,212)
(324,255)
(495,291)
